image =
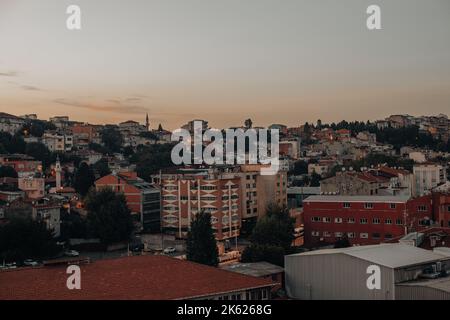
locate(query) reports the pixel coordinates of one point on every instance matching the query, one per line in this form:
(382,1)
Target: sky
(273,61)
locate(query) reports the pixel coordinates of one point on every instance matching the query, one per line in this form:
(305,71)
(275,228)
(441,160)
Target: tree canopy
(272,237)
(109,217)
(22,239)
(201,244)
(84,179)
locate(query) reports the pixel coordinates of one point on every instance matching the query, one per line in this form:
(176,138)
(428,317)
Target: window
(315,233)
(422,208)
(392,206)
(364,235)
(368,205)
(337,220)
(388,236)
(399,222)
(338,234)
(376,235)
(327,234)
(388,221)
(363,220)
(347,205)
(351,235)
(448,209)
(316,219)
(326,219)
(351,220)
(376,221)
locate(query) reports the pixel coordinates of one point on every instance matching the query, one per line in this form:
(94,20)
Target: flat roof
(254,269)
(394,255)
(153,277)
(373,199)
(303,190)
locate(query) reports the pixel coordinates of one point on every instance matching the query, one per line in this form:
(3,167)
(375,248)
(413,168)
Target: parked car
(169,250)
(30,263)
(71,253)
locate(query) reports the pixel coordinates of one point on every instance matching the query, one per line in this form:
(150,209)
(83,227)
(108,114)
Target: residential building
(49,212)
(363,220)
(143,199)
(258,191)
(131,127)
(190,125)
(428,176)
(353,183)
(149,277)
(185,192)
(84,134)
(405,273)
(57,142)
(10,123)
(24,165)
(33,186)
(441,203)
(296,195)
(61,122)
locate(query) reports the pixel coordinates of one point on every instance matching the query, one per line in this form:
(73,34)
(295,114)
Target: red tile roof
(139,278)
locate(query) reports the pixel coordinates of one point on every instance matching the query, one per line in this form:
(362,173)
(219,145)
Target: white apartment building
(428,176)
(57,142)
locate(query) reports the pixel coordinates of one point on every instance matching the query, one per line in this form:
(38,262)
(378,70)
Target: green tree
(315,180)
(109,217)
(23,238)
(272,237)
(7,171)
(201,244)
(300,167)
(112,139)
(101,167)
(40,152)
(150,159)
(84,179)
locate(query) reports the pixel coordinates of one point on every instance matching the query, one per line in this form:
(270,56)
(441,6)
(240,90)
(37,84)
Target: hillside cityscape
(109,199)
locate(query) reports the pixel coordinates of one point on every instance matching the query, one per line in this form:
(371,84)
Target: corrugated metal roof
(373,199)
(442,284)
(390,255)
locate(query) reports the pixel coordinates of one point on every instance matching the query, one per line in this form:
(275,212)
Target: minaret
(147,123)
(58,173)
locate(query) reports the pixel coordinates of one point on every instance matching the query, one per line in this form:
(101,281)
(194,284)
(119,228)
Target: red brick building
(142,198)
(363,219)
(441,204)
(23,164)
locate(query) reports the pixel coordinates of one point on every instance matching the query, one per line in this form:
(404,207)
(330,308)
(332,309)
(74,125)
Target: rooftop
(139,277)
(254,269)
(388,255)
(373,199)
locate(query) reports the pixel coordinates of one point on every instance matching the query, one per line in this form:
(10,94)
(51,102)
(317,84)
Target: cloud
(9,73)
(30,88)
(118,107)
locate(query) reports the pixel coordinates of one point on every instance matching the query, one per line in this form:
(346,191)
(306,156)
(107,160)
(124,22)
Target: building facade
(189,192)
(363,219)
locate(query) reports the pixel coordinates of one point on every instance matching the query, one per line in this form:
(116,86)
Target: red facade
(363,220)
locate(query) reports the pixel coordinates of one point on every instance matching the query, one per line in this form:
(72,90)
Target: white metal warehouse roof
(390,255)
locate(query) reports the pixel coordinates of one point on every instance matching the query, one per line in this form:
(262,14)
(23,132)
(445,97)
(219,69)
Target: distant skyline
(287,61)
